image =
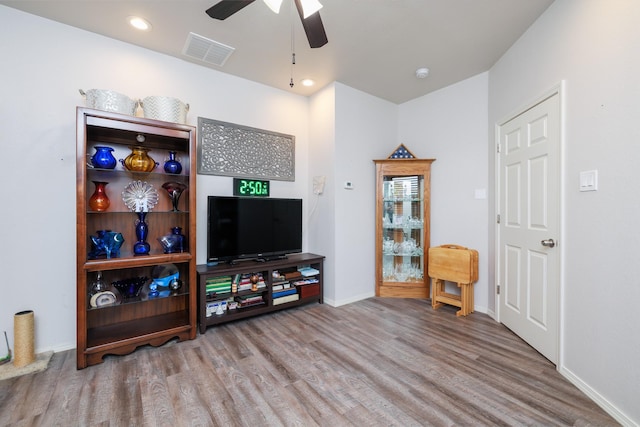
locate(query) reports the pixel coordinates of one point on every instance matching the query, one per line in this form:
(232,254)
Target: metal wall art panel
(228,149)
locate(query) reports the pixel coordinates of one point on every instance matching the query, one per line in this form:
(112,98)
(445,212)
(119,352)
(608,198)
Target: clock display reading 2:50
(250,187)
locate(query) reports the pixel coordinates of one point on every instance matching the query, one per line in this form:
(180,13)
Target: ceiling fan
(307,9)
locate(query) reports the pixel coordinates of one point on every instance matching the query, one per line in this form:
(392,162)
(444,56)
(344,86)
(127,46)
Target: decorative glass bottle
(172,165)
(182,240)
(141,247)
(99,201)
(99,285)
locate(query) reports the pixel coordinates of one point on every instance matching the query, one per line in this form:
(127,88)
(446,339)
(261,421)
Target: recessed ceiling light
(422,73)
(307,82)
(139,23)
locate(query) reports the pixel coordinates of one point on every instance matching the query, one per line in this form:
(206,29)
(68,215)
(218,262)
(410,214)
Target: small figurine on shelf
(254,279)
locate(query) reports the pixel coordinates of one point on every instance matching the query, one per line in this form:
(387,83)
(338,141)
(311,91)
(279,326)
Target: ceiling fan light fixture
(309,7)
(274,5)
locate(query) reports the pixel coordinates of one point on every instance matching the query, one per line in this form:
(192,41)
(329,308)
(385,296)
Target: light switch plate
(589,180)
(481,193)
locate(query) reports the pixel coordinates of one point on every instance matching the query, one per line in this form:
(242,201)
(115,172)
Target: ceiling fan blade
(313,27)
(226,8)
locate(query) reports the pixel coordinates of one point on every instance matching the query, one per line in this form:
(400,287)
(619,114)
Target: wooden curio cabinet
(402,225)
(110,319)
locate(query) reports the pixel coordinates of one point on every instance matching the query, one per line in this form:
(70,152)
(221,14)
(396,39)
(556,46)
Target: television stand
(268,298)
(265,259)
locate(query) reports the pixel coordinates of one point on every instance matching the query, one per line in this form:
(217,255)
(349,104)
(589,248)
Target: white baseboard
(607,406)
(360,297)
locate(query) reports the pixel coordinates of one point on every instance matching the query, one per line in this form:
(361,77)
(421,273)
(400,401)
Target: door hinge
(498,218)
(498,148)
(498,289)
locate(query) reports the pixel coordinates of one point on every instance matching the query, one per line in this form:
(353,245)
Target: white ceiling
(374,45)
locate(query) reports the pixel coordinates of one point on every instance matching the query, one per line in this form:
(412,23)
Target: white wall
(450,125)
(366,129)
(349,129)
(322,163)
(43,66)
(593,45)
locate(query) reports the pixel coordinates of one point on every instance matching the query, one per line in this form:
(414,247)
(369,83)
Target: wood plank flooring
(377,362)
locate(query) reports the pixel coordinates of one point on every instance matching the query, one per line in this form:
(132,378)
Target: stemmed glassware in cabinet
(174,189)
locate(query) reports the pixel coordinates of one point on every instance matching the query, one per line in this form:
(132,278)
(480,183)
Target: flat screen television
(252,228)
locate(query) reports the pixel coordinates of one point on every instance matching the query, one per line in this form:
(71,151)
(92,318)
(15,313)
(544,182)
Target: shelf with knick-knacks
(135,214)
(134,184)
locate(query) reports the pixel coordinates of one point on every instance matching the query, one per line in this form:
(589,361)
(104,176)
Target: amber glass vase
(99,201)
(139,160)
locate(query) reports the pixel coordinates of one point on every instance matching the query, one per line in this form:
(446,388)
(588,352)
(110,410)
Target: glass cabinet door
(402,227)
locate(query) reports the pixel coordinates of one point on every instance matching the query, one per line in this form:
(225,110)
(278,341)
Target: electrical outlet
(318,184)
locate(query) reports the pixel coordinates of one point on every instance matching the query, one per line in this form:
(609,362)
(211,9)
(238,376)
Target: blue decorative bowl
(130,288)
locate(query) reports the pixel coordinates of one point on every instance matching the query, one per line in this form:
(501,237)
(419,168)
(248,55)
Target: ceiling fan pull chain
(293,50)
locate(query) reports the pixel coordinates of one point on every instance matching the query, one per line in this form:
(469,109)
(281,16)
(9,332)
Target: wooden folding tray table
(453,263)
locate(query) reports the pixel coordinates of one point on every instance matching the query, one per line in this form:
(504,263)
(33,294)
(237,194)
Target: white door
(529,279)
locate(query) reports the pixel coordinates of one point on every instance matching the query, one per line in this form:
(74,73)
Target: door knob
(549,243)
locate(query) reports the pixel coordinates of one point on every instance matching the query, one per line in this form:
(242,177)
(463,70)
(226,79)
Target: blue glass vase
(112,243)
(98,244)
(141,247)
(182,241)
(103,158)
(172,165)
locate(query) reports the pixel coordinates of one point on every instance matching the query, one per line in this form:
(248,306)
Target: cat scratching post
(23,338)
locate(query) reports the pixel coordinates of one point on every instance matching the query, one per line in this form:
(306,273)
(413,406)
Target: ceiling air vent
(206,50)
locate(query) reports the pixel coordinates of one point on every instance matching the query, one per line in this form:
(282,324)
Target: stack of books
(244,281)
(284,294)
(249,300)
(218,285)
(306,281)
(286,298)
(278,286)
(308,271)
